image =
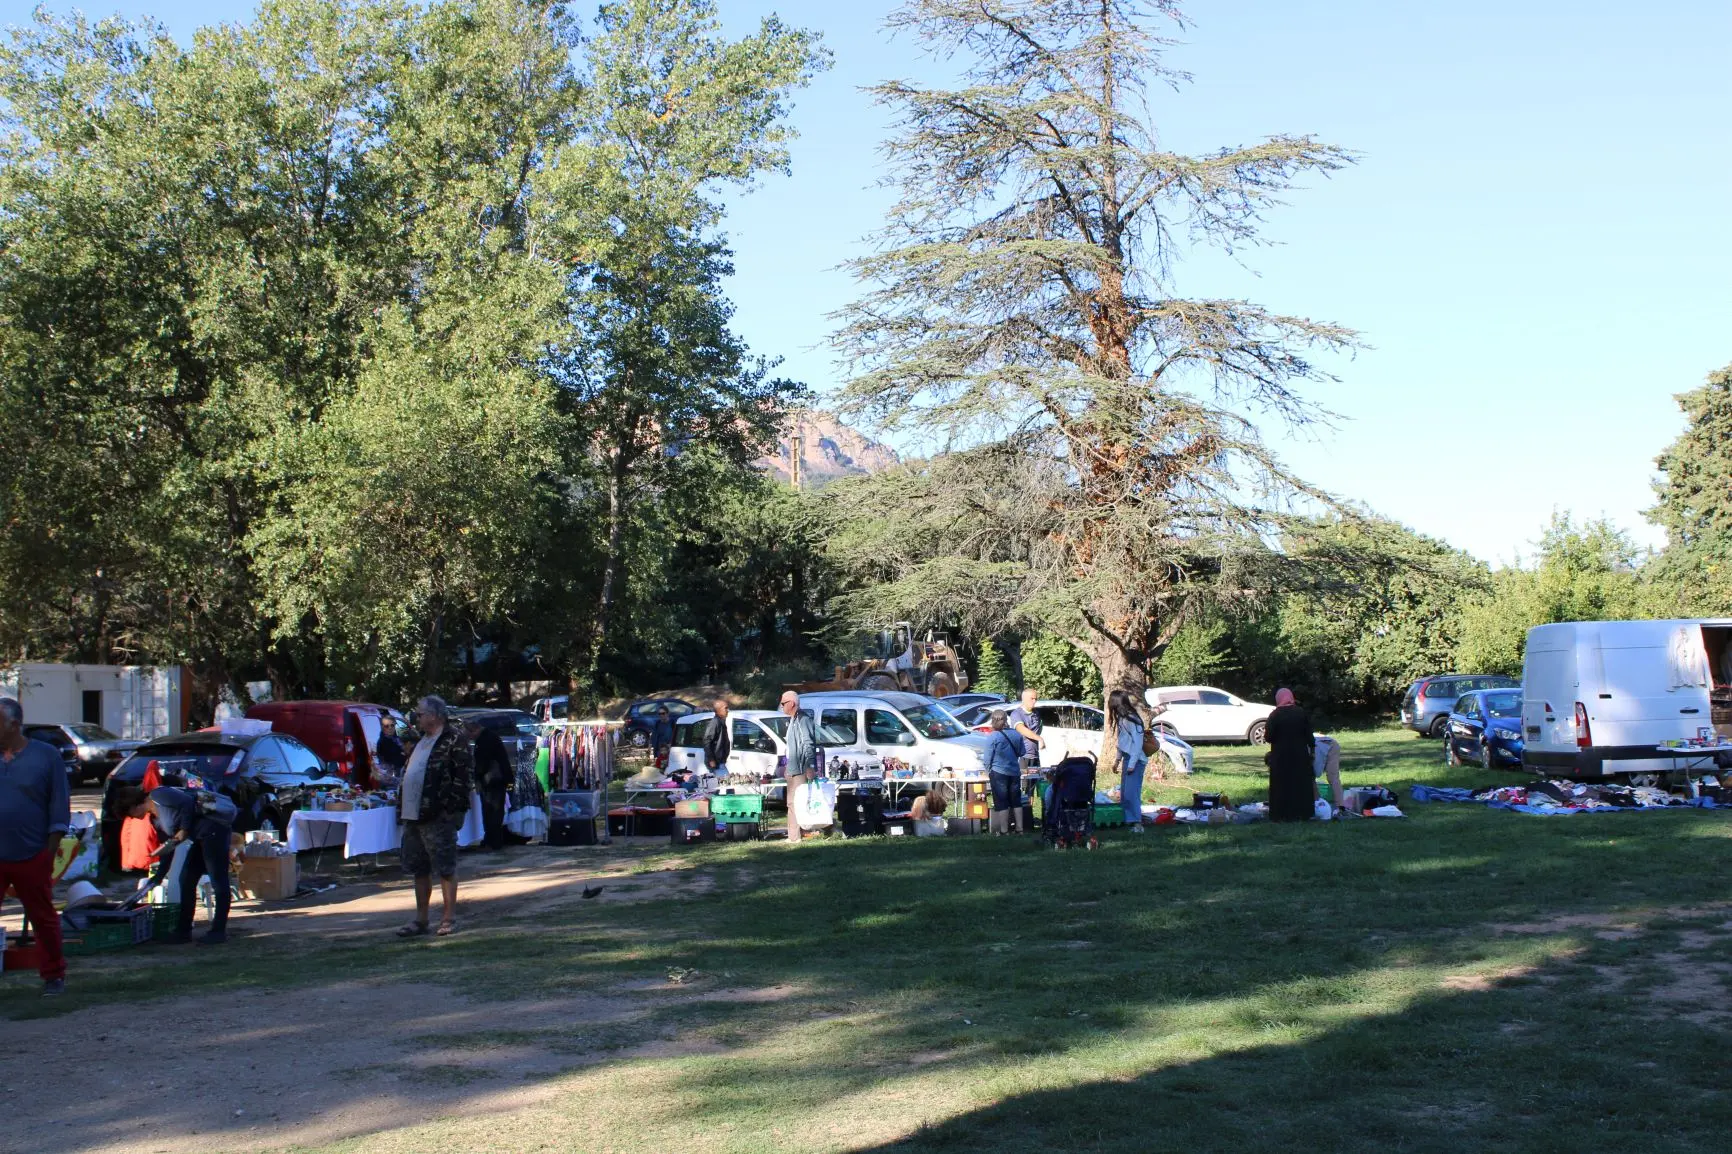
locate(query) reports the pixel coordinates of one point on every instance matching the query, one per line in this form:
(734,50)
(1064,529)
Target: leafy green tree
(995,672)
(1053,667)
(1198,654)
(1023,309)
(674,113)
(1694,504)
(1584,572)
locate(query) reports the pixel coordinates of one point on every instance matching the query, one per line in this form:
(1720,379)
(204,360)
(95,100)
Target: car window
(1177,697)
(1214,697)
(836,727)
(51,734)
(1504,703)
(777,725)
(934,721)
(974,715)
(679,709)
(885,728)
(1466,705)
(298,759)
(749,738)
(1082,717)
(179,764)
(266,756)
(1451,688)
(92,733)
(690,734)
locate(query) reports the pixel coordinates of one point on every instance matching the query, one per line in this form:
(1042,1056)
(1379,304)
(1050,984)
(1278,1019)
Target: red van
(343,733)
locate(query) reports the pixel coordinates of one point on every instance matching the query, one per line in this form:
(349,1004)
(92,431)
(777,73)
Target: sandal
(412,930)
(445,930)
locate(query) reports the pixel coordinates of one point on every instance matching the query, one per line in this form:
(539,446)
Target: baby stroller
(1068,819)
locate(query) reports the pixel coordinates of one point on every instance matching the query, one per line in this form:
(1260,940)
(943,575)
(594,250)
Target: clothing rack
(580,760)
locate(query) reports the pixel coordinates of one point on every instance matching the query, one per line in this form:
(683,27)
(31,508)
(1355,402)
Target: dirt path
(309,1065)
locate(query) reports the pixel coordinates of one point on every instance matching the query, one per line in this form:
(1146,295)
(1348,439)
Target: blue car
(1485,726)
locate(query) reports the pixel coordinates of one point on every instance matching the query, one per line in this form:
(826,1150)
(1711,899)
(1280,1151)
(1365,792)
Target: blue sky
(1536,244)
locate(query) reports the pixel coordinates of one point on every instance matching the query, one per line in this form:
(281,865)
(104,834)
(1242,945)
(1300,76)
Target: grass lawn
(1464,979)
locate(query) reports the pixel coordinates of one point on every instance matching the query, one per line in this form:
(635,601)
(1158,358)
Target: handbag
(1151,743)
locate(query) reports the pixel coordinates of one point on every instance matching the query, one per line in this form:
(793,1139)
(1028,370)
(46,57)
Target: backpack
(219,807)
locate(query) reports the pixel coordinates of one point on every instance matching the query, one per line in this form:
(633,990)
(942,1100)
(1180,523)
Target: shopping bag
(815,803)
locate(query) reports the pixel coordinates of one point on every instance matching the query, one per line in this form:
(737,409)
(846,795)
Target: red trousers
(33,881)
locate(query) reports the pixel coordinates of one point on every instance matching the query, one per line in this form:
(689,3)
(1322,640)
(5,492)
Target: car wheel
(1487,761)
(1450,757)
(1257,733)
(638,738)
(1437,727)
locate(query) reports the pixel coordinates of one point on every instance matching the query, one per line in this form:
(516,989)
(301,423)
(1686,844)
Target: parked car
(1426,704)
(640,715)
(1072,727)
(517,729)
(758,739)
(960,701)
(910,727)
(344,734)
(1485,726)
(280,770)
(89,752)
(1598,697)
(555,708)
(1203,713)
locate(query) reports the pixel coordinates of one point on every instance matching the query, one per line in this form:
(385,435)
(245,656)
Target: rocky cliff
(828,450)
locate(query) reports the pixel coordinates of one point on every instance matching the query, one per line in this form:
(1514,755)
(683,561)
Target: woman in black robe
(1292,771)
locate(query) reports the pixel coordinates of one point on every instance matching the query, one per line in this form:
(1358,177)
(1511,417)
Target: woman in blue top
(1128,724)
(1004,770)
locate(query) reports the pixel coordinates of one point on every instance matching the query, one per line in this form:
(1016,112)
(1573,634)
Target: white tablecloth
(361,831)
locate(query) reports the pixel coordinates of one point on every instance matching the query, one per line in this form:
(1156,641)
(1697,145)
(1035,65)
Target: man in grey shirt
(802,756)
(35,810)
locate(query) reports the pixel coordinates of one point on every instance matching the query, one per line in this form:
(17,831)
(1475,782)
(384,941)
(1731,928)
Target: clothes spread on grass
(1564,798)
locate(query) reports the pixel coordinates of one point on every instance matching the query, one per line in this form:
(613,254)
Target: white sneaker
(1138,828)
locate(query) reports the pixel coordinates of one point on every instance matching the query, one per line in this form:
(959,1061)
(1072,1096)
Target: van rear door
(1549,690)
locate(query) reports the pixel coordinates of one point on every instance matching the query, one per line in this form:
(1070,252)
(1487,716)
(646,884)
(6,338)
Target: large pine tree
(1023,311)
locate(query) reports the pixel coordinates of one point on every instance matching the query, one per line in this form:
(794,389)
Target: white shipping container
(134,702)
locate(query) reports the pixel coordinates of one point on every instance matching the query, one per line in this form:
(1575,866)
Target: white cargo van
(1599,696)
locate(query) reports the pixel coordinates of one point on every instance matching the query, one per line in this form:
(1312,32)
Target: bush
(995,674)
(1053,667)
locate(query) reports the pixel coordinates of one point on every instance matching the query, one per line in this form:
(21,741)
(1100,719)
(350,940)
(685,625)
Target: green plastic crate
(99,938)
(737,807)
(1106,815)
(162,919)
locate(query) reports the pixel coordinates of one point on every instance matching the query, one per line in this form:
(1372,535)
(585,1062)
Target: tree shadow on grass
(1227,987)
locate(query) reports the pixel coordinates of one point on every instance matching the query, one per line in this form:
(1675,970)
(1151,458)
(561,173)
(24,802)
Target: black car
(275,774)
(516,729)
(640,716)
(89,752)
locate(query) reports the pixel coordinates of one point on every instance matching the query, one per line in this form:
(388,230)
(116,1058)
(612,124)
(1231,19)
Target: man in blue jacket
(35,810)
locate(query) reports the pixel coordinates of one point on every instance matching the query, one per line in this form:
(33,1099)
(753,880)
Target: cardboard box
(269,878)
(695,807)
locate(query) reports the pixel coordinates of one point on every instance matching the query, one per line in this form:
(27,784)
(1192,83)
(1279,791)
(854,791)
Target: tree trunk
(610,566)
(430,658)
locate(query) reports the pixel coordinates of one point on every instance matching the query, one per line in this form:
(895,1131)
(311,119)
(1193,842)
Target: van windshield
(1507,704)
(932,721)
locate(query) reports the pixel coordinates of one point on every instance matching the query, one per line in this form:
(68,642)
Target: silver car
(1426,705)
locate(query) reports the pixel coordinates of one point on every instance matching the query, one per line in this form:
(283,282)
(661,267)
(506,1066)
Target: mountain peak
(828,450)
